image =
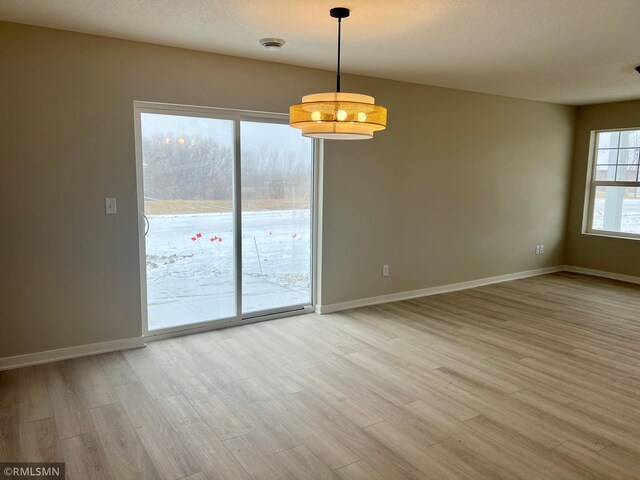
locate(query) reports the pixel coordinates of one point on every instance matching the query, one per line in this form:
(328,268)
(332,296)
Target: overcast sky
(255,135)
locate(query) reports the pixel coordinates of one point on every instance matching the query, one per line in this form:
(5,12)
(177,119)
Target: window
(614,184)
(226,202)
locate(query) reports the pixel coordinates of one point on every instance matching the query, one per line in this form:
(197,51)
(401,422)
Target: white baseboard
(452,287)
(601,273)
(18,361)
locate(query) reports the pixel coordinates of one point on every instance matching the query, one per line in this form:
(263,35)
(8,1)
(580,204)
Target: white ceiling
(564,51)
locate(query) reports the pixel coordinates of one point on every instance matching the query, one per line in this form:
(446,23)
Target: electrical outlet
(541,249)
(385,270)
(537,249)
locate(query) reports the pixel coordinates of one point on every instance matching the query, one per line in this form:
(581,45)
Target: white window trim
(592,184)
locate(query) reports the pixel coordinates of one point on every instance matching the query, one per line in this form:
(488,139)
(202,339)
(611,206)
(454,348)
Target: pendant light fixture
(338,115)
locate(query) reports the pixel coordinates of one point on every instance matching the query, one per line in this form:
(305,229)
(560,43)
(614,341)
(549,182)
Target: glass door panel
(277,193)
(188,166)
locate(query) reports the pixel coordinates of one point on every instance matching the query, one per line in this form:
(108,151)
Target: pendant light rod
(338,75)
(339,13)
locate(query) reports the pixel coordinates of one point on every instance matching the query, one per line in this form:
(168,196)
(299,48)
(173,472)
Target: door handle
(147,225)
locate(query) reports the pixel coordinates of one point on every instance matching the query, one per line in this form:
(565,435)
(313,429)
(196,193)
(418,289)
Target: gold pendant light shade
(338,115)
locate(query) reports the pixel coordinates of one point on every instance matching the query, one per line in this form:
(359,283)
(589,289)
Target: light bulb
(362,117)
(316,116)
(181,141)
(167,141)
(341,115)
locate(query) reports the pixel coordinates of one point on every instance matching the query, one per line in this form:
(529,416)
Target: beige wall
(615,255)
(461,186)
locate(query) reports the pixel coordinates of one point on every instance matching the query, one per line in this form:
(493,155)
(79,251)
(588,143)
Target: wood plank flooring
(530,379)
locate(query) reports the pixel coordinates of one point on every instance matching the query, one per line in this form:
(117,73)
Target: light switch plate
(110,206)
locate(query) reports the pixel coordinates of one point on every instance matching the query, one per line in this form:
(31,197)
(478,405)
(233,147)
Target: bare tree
(198,168)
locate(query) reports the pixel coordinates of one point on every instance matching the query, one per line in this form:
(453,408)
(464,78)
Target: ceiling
(564,51)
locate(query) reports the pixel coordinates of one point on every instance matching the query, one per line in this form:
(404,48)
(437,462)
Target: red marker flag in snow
(198,235)
(219,239)
(193,238)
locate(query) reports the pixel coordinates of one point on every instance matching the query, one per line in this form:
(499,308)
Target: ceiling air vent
(272,43)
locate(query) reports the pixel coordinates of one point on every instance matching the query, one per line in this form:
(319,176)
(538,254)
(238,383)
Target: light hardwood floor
(531,379)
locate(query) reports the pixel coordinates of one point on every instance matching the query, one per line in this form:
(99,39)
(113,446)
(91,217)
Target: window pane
(628,156)
(627,173)
(607,157)
(188,190)
(608,139)
(605,173)
(277,174)
(630,138)
(617,209)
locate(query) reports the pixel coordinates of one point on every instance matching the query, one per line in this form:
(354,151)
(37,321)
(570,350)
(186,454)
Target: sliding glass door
(277,193)
(226,204)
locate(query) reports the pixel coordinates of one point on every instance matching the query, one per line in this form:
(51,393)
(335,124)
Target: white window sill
(618,235)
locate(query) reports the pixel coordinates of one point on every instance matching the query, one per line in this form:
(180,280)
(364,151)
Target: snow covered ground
(190,275)
(630,215)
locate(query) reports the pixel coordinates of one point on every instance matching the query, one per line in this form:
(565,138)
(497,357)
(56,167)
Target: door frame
(236,116)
